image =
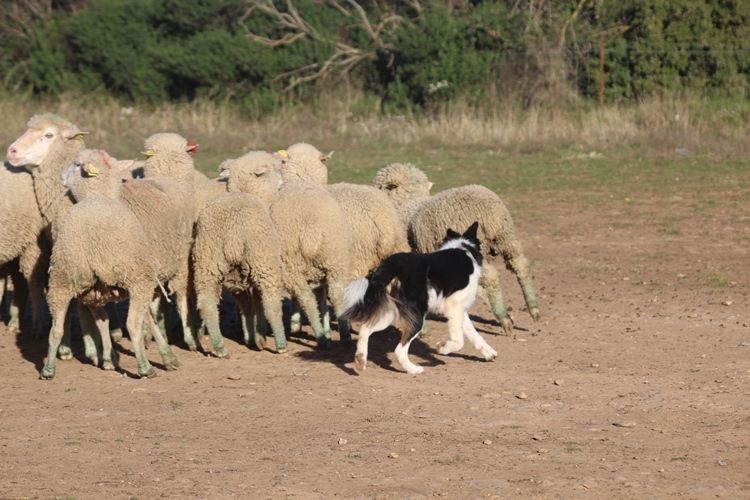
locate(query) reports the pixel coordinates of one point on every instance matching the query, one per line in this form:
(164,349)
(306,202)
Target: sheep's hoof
(64,353)
(170,361)
(107,364)
(324,343)
(534,312)
(507,324)
(281,350)
(13,327)
(221,352)
(259,341)
(150,373)
(46,373)
(116,335)
(192,347)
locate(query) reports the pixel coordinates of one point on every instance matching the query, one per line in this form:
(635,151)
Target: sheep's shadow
(380,345)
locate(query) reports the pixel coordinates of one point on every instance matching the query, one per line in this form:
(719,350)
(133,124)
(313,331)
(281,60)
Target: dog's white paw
(488,353)
(447,347)
(414,369)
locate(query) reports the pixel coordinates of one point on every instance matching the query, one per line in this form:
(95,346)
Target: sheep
(430,216)
(376,229)
(237,246)
(102,254)
(169,222)
(22,245)
(45,149)
(316,240)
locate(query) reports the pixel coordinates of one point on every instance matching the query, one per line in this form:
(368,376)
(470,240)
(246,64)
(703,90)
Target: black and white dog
(443,282)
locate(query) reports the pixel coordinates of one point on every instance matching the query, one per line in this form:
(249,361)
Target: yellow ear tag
(149,153)
(91,170)
(283,153)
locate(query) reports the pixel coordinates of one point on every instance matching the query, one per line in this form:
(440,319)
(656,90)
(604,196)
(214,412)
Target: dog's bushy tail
(366,298)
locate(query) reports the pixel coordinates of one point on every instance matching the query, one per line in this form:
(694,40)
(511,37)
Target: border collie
(442,282)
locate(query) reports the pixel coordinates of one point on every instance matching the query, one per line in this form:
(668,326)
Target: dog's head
(468,241)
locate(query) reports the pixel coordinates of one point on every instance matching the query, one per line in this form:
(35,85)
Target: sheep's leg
(34,265)
(295,318)
(58,309)
(250,333)
(181,301)
(269,301)
(18,302)
(490,280)
(306,297)
(259,316)
(115,325)
(36,296)
(101,319)
(136,311)
(336,293)
(367,329)
(167,356)
(64,351)
(321,295)
(516,262)
(208,305)
(88,326)
(476,340)
(3,295)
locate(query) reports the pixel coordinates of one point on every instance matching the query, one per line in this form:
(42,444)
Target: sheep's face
(89,173)
(44,138)
(257,172)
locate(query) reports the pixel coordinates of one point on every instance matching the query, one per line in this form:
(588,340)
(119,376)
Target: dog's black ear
(471,233)
(450,234)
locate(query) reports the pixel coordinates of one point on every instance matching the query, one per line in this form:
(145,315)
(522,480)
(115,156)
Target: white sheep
(22,246)
(316,240)
(430,216)
(47,147)
(101,255)
(238,248)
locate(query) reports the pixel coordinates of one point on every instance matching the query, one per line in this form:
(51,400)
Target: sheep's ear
(429,186)
(471,233)
(70,134)
(283,153)
(90,170)
(325,158)
(450,234)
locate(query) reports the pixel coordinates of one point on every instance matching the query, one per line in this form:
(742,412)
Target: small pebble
(342,441)
(234,377)
(594,365)
(624,424)
(723,462)
(727,303)
(393,455)
(487,442)
(542,451)
(558,382)
(522,395)
(661,470)
(537,437)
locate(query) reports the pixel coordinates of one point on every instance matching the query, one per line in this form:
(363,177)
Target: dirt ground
(633,385)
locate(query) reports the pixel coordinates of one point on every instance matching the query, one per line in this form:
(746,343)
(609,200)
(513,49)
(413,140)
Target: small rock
(537,437)
(558,382)
(522,395)
(594,365)
(624,424)
(234,377)
(393,455)
(542,451)
(342,441)
(661,470)
(723,462)
(727,303)
(412,450)
(487,442)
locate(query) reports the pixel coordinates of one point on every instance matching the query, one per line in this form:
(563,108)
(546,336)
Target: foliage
(416,55)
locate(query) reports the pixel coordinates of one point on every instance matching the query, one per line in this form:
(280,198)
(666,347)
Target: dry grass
(649,128)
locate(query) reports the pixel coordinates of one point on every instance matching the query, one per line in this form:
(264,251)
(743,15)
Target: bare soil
(633,385)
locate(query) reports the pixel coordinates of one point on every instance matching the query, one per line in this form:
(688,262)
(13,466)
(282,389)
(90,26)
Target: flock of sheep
(88,227)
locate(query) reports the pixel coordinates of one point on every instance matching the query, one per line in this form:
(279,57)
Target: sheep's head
(45,137)
(304,162)
(402,182)
(168,154)
(256,172)
(94,171)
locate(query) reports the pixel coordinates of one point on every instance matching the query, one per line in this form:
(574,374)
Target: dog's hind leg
(368,328)
(402,350)
(476,340)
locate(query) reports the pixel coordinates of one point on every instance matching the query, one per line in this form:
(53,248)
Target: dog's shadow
(380,345)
